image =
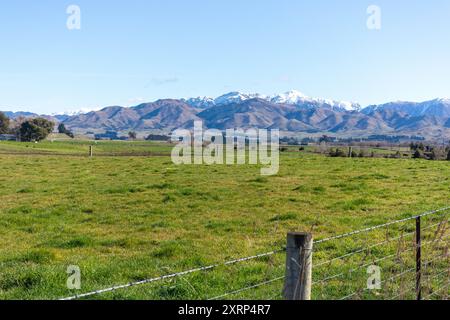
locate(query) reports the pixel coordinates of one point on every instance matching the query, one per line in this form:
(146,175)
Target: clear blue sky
(128,51)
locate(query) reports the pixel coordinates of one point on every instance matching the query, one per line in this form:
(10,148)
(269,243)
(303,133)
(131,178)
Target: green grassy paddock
(124,216)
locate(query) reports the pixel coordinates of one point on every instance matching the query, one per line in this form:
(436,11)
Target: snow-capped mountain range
(293,97)
(291,111)
(436,107)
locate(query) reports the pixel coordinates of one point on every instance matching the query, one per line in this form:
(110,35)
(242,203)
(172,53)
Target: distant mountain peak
(437,107)
(75,112)
(292,97)
(290,111)
(200,102)
(237,97)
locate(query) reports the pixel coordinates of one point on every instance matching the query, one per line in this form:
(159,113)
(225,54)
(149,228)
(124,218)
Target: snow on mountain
(436,107)
(341,105)
(200,102)
(290,97)
(226,99)
(70,113)
(293,97)
(297,98)
(63,116)
(237,97)
(290,111)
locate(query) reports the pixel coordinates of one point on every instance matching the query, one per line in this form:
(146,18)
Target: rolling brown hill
(430,119)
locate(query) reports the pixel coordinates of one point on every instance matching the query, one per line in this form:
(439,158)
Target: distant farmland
(129,214)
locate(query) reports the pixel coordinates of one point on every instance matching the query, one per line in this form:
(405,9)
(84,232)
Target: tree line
(430,152)
(35,129)
(418,151)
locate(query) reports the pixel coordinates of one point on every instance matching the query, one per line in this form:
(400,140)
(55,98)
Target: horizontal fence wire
(173,275)
(439,274)
(435,241)
(352,233)
(410,289)
(247,288)
(368,264)
(270,253)
(363,249)
(437,292)
(382,282)
(404,272)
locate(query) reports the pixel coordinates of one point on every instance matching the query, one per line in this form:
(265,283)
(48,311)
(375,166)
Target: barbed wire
(404,292)
(433,242)
(270,253)
(438,237)
(412,289)
(337,275)
(348,234)
(409,270)
(363,249)
(385,281)
(437,291)
(423,244)
(402,236)
(438,274)
(173,275)
(247,288)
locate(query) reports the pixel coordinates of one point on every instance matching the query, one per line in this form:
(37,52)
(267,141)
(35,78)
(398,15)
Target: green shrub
(35,129)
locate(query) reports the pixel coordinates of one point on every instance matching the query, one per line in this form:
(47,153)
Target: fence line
(374,246)
(437,291)
(404,292)
(352,233)
(403,236)
(173,275)
(429,261)
(363,249)
(385,281)
(270,253)
(247,288)
(370,263)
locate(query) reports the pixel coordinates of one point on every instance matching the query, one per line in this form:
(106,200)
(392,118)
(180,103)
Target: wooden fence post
(298,279)
(91,151)
(418,260)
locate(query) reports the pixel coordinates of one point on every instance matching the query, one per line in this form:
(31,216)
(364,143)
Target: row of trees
(420,146)
(339,153)
(36,129)
(4,123)
(132,135)
(62,129)
(432,153)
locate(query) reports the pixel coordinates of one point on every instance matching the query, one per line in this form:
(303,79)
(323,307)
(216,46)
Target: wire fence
(340,269)
(393,248)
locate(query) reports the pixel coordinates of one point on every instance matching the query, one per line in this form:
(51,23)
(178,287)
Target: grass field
(130,214)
